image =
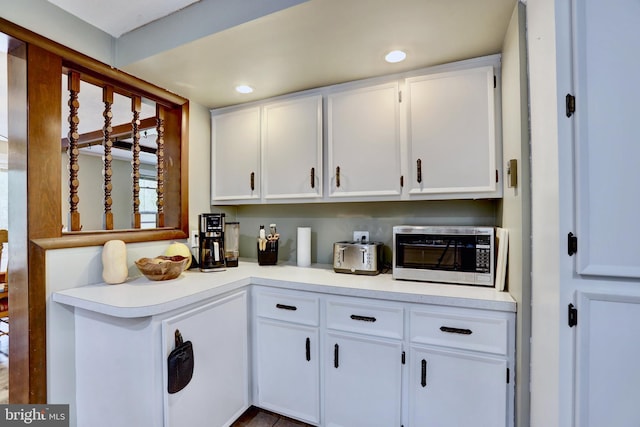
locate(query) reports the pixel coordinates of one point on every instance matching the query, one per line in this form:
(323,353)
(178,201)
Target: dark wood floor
(256,417)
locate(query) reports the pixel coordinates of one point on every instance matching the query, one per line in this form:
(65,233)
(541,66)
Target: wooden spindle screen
(74,136)
(107,98)
(160,166)
(136,107)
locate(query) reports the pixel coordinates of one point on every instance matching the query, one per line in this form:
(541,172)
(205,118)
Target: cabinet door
(235,156)
(607,353)
(364,142)
(288,369)
(451,133)
(218,392)
(449,388)
(362,381)
(292,149)
(606,136)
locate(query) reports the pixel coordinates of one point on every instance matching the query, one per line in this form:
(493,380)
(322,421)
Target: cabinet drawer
(366,318)
(292,307)
(462,329)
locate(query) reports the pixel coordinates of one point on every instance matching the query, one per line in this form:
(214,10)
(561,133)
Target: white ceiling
(117,17)
(312,44)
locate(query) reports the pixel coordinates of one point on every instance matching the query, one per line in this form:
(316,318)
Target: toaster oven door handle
(451,330)
(363,318)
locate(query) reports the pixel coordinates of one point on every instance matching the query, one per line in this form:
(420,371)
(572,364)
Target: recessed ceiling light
(244,89)
(395,56)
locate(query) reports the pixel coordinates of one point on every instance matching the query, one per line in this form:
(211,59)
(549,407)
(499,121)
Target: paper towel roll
(304,246)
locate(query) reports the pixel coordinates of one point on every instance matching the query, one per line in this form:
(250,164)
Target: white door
(364,142)
(362,381)
(607,136)
(218,392)
(235,156)
(608,351)
(454,388)
(288,369)
(451,132)
(292,149)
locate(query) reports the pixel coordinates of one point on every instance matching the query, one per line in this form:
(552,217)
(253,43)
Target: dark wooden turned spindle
(160,168)
(136,107)
(74,89)
(107,98)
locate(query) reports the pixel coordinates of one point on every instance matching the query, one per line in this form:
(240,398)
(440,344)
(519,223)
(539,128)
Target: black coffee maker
(211,241)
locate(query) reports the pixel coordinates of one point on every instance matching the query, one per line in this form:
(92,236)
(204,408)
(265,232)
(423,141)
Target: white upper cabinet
(364,142)
(606,137)
(430,134)
(451,134)
(235,156)
(292,149)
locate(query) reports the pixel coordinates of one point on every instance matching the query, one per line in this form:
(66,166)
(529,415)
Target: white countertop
(140,297)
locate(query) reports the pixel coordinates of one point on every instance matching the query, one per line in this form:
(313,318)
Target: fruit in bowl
(162,267)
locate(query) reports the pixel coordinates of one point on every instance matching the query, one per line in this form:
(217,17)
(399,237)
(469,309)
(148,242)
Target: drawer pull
(286,307)
(336,350)
(451,330)
(363,318)
(308,349)
(423,376)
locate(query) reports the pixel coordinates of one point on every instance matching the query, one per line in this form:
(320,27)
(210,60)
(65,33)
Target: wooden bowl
(162,267)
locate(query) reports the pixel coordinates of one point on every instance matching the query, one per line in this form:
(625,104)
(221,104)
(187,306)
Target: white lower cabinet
(362,362)
(362,381)
(454,388)
(218,391)
(287,353)
(288,369)
(121,366)
(338,361)
(460,367)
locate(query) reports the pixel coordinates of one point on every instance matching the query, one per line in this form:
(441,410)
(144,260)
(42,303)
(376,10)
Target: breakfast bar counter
(141,297)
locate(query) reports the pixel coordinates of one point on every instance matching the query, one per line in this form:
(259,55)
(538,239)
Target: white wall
(42,17)
(548,56)
(515,212)
(199,162)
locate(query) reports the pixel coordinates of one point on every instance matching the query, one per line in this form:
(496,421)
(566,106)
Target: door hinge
(399,96)
(495,84)
(404,358)
(572,314)
(570,101)
(508,372)
(572,244)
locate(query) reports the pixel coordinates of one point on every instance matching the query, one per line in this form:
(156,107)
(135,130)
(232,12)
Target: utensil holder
(270,255)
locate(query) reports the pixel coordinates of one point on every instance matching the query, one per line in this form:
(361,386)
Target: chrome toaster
(357,257)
